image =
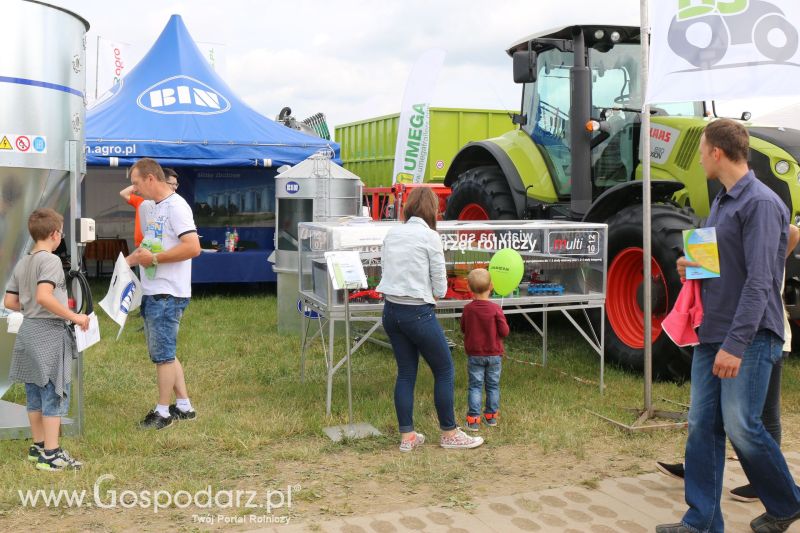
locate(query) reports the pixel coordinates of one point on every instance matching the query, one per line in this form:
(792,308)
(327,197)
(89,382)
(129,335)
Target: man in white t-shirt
(169,242)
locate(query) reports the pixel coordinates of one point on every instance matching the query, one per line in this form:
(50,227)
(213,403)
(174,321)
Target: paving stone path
(621,505)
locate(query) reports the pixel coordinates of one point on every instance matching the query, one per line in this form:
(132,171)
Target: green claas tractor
(576,156)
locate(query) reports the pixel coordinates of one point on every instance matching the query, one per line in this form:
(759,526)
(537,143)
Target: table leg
(331,326)
(544,337)
(602,348)
(307,322)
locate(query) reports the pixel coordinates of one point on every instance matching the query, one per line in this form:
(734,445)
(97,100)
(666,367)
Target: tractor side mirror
(524,66)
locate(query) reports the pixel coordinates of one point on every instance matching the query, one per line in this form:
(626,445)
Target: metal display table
(327,319)
(565,271)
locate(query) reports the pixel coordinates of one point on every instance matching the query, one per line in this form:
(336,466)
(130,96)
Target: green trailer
(368,145)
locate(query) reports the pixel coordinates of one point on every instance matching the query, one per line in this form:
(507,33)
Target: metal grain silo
(42,109)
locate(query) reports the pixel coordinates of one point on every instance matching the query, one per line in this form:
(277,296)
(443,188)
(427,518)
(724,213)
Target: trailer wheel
(625,288)
(481,193)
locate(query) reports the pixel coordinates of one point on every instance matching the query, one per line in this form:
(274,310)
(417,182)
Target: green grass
(259,428)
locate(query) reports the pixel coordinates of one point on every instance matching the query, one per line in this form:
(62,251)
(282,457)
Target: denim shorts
(45,399)
(162,318)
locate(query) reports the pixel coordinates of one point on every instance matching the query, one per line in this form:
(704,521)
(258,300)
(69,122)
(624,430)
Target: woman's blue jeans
(734,407)
(414,330)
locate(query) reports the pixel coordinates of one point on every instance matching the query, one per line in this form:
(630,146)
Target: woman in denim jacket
(413,276)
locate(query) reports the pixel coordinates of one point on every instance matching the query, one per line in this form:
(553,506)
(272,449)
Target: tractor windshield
(616,97)
(616,94)
(547,104)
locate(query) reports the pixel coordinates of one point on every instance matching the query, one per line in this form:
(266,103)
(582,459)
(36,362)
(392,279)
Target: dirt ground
(381,480)
(345,484)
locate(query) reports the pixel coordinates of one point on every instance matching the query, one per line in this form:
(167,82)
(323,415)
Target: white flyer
(346,270)
(14,322)
(84,339)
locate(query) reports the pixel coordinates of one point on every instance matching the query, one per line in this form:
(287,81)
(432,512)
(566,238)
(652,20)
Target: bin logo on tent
(182,95)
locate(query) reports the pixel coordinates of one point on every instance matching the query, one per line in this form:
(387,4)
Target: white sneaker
(460,440)
(410,444)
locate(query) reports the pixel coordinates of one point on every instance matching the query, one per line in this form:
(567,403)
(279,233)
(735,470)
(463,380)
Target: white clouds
(309,82)
(350,58)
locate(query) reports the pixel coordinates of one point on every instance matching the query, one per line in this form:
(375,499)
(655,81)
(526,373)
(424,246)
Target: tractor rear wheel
(481,193)
(625,288)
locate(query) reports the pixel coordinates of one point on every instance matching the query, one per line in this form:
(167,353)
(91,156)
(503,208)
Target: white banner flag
(124,293)
(215,55)
(413,129)
(723,49)
(113,62)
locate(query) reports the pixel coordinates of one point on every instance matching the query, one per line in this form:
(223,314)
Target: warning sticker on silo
(27,144)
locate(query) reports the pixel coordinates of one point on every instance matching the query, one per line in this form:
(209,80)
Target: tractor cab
(576,156)
(578,77)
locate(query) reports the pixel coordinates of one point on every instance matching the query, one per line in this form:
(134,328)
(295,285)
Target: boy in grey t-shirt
(45,346)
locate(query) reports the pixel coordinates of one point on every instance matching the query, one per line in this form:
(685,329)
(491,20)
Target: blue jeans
(413,329)
(772,405)
(734,407)
(162,315)
(483,370)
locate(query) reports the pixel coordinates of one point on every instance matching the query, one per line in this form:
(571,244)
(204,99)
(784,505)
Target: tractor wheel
(794,326)
(625,288)
(481,193)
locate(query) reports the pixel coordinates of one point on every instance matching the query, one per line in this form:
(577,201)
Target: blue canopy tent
(174,108)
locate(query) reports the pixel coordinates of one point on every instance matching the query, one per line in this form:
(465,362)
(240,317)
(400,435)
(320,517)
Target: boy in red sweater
(484,327)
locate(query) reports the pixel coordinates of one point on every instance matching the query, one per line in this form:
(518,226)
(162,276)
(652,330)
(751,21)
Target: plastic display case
(564,261)
(316,238)
(564,271)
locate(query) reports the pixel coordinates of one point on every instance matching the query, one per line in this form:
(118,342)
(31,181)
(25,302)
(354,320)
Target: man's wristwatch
(155,260)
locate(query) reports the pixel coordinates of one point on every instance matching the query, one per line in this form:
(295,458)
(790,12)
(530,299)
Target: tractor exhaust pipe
(580,149)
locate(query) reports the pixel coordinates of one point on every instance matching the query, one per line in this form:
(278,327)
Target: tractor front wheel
(625,288)
(481,193)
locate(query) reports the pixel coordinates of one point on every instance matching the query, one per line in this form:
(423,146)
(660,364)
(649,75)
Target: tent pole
(648,412)
(646,210)
(97,68)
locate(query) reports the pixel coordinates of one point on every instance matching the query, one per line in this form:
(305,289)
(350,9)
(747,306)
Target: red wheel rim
(473,211)
(625,277)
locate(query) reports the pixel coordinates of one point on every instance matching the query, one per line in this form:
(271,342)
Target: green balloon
(506,269)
